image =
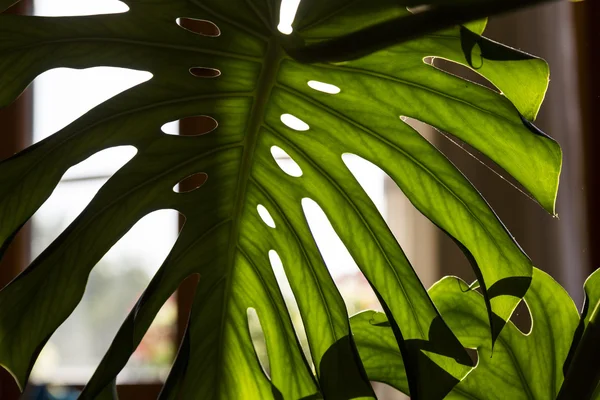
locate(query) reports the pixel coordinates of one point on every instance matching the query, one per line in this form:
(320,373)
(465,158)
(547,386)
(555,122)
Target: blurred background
(560,32)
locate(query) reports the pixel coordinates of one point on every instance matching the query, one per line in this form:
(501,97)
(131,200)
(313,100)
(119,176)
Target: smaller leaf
(582,369)
(520,366)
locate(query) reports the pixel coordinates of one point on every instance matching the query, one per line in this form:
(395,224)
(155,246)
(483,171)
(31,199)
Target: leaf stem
(377,37)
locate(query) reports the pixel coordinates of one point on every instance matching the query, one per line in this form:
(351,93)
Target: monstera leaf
(236,73)
(520,366)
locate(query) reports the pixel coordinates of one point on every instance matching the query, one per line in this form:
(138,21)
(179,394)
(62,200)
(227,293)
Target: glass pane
(115,284)
(70,357)
(62,95)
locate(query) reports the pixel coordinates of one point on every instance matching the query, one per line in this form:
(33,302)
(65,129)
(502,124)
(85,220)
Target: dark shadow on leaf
(583,376)
(489,50)
(576,336)
(277,395)
(499,288)
(385,324)
(515,286)
(441,341)
(426,379)
(337,368)
(533,128)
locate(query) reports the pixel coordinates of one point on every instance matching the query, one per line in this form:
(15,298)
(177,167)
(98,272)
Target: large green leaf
(224,240)
(521,366)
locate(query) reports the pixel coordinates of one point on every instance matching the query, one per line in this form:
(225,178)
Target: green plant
(246,80)
(521,365)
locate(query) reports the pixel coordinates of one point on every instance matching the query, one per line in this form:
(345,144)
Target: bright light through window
(74,351)
(287,14)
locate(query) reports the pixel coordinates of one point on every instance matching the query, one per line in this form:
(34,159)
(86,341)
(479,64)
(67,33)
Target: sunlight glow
(338,260)
(294,122)
(286,163)
(265,215)
(70,8)
(324,87)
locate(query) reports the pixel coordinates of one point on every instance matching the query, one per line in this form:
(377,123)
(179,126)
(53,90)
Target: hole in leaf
(191,126)
(287,14)
(521,317)
(258,340)
(351,283)
(370,177)
(171,128)
(419,9)
(277,152)
(53,8)
(324,87)
(460,70)
(113,287)
(290,302)
(199,26)
(62,95)
(425,130)
(474,354)
(385,391)
(205,72)
(191,183)
(415,233)
(101,165)
(294,122)
(265,215)
(285,162)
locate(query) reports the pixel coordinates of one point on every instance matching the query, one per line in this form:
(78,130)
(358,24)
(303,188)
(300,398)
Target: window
(73,352)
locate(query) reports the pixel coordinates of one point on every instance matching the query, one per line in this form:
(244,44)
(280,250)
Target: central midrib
(266,83)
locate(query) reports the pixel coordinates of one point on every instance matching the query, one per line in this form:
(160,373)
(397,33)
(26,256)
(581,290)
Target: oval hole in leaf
(191,126)
(294,122)
(324,87)
(290,302)
(191,183)
(171,128)
(265,215)
(258,340)
(205,72)
(287,14)
(199,26)
(521,317)
(285,162)
(50,8)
